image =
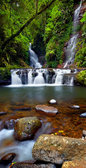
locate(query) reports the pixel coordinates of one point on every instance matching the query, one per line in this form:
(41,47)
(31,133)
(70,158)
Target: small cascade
(34,59)
(15,79)
(70,50)
(39,79)
(34,77)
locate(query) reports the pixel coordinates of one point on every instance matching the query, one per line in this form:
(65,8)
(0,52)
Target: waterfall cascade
(39,76)
(34,59)
(70,50)
(35,77)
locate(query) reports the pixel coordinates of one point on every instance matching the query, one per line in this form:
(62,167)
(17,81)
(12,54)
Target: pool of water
(41,94)
(12,99)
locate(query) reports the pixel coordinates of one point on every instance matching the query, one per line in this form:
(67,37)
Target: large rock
(25,128)
(49,110)
(75,164)
(57,149)
(28,165)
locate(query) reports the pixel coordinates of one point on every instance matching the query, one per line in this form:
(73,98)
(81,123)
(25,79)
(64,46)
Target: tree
(27,23)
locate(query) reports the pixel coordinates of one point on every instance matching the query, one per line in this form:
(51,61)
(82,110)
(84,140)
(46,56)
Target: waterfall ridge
(35,77)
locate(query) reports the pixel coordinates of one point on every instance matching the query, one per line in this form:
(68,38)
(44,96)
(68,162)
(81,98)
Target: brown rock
(28,165)
(56,149)
(26,127)
(7,158)
(75,164)
(3,113)
(48,110)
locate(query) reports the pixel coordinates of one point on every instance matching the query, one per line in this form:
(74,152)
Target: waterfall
(34,77)
(34,59)
(15,79)
(70,50)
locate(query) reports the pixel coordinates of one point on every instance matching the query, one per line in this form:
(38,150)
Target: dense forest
(46,24)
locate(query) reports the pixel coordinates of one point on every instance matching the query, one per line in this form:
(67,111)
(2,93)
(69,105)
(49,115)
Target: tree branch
(25,25)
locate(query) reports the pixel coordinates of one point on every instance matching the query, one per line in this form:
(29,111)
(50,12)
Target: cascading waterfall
(38,76)
(70,50)
(34,77)
(34,59)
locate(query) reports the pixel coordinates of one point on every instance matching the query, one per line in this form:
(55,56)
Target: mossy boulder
(81,78)
(26,127)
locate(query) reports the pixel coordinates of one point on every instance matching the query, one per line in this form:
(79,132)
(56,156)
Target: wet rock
(84,134)
(9,124)
(21,109)
(26,127)
(75,107)
(83,115)
(75,164)
(7,158)
(56,149)
(52,101)
(2,113)
(1,125)
(49,110)
(29,165)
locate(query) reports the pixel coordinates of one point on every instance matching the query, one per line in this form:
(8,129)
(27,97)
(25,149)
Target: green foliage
(81,77)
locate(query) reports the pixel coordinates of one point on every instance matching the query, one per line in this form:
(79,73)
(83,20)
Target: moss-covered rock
(81,78)
(26,127)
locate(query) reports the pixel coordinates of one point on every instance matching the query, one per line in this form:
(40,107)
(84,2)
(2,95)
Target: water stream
(71,47)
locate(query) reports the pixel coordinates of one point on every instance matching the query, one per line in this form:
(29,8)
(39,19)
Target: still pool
(41,94)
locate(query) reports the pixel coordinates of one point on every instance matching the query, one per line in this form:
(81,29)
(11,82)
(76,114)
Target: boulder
(48,110)
(57,149)
(75,164)
(26,127)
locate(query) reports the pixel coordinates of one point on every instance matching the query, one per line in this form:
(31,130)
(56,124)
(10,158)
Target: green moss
(81,77)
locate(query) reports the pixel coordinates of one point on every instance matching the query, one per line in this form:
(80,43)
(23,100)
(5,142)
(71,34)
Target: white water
(15,79)
(23,150)
(70,50)
(34,59)
(42,77)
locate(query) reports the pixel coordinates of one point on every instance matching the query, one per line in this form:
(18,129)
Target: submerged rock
(75,107)
(75,164)
(26,127)
(57,149)
(49,110)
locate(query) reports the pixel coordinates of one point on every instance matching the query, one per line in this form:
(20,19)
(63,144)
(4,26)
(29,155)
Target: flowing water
(38,86)
(45,77)
(34,59)
(71,47)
